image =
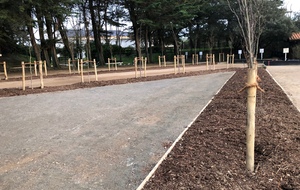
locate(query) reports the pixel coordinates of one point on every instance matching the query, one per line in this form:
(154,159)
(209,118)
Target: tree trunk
(137,40)
(251,105)
(136,27)
(150,48)
(52,41)
(146,44)
(31,35)
(65,39)
(33,43)
(87,34)
(96,29)
(44,46)
(176,44)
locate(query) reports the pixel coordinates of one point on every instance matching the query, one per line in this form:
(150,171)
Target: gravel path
(288,78)
(98,138)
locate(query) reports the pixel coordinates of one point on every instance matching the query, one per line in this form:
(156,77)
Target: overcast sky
(293,5)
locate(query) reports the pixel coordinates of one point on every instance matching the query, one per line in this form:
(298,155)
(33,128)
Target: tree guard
(88,69)
(177,60)
(23,64)
(114,62)
(221,57)
(162,59)
(143,64)
(230,60)
(73,64)
(210,60)
(195,59)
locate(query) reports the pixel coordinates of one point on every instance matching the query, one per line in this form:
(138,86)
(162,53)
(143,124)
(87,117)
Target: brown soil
(211,154)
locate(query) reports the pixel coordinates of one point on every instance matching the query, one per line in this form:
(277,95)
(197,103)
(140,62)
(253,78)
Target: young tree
(249,16)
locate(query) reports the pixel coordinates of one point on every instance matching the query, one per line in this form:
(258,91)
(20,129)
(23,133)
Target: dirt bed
(211,154)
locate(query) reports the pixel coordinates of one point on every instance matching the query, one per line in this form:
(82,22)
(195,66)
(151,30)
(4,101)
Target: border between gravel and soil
(283,90)
(141,186)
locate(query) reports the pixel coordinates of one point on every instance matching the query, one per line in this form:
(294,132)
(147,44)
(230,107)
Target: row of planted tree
(39,68)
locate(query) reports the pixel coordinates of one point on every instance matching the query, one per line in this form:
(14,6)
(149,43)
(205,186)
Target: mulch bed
(211,154)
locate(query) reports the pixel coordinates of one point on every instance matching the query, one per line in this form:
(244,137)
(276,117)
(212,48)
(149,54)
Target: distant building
(295,45)
(295,36)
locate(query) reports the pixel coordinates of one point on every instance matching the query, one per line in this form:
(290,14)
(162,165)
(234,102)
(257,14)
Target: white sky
(293,5)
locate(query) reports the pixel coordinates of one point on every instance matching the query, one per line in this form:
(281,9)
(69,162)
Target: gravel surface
(288,79)
(97,138)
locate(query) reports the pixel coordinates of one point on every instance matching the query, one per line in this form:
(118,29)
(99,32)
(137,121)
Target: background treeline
(34,28)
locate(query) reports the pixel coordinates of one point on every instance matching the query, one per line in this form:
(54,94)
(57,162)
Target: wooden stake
(116,67)
(250,130)
(41,74)
(227,62)
(178,63)
(145,70)
(5,71)
(45,67)
(95,67)
(23,75)
(69,65)
(206,61)
(35,70)
(108,64)
(213,59)
(159,63)
(81,70)
(142,60)
(183,62)
(175,64)
(135,66)
(193,59)
(78,68)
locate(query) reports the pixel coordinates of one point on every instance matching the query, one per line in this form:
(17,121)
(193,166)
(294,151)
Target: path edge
(141,186)
(289,97)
